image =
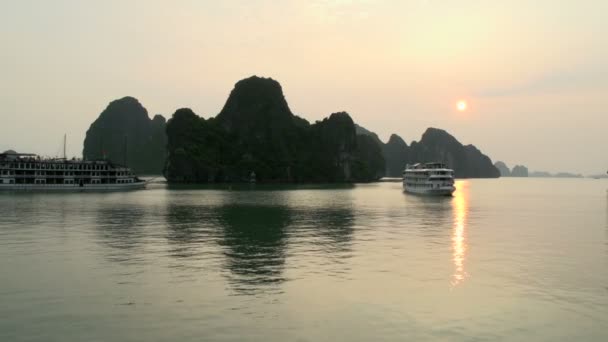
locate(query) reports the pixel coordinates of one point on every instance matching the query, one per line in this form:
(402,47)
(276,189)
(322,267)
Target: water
(508,259)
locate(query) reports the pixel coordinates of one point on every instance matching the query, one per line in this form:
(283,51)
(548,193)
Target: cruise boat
(429,179)
(19,171)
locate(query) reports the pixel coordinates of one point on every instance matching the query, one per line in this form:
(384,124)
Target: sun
(461,105)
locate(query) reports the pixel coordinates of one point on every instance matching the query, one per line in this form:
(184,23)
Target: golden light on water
(460,207)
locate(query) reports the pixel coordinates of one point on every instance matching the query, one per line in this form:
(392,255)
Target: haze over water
(506,259)
(534,73)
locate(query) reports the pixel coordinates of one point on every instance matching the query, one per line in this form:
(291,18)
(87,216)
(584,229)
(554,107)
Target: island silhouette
(256,133)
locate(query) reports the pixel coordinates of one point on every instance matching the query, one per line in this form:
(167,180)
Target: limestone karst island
(257,132)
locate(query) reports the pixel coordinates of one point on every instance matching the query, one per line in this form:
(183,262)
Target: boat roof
(14,156)
(431,165)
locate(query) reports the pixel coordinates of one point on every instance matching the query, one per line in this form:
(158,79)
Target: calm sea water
(507,259)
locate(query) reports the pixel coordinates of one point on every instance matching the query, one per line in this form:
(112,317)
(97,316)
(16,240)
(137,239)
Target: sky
(534,73)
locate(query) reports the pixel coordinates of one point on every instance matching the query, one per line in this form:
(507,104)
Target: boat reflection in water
(460,207)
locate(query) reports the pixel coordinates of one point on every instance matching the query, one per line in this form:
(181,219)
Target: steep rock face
(256,132)
(193,145)
(396,154)
(519,171)
(255,104)
(363,131)
(503,169)
(435,145)
(478,165)
(467,161)
(124,126)
(330,155)
(370,163)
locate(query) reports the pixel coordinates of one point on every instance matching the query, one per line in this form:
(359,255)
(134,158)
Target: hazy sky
(535,73)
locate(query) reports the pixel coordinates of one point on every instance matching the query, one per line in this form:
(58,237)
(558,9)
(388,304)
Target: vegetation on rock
(436,145)
(123,133)
(256,133)
(503,168)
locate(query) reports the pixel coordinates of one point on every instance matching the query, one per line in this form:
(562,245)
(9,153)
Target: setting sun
(461,105)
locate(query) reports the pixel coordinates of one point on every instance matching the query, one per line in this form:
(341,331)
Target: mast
(65,137)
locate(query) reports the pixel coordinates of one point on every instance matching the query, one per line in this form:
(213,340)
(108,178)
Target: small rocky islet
(257,133)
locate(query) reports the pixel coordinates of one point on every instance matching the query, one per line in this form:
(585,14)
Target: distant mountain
(567,175)
(368,150)
(522,171)
(396,153)
(503,168)
(124,126)
(256,132)
(545,174)
(362,131)
(435,145)
(519,171)
(540,174)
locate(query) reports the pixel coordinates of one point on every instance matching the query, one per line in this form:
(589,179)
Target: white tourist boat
(428,179)
(20,171)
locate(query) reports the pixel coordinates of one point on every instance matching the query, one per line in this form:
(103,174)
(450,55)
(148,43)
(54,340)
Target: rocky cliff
(435,145)
(519,171)
(124,133)
(397,155)
(256,132)
(503,169)
(467,161)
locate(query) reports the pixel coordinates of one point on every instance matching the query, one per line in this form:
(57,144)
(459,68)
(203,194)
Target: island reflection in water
(254,241)
(362,263)
(460,207)
(245,233)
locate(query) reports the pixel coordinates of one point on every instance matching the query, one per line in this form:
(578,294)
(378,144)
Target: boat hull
(73,187)
(443,191)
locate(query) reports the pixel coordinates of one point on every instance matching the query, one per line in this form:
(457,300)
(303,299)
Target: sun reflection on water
(460,206)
